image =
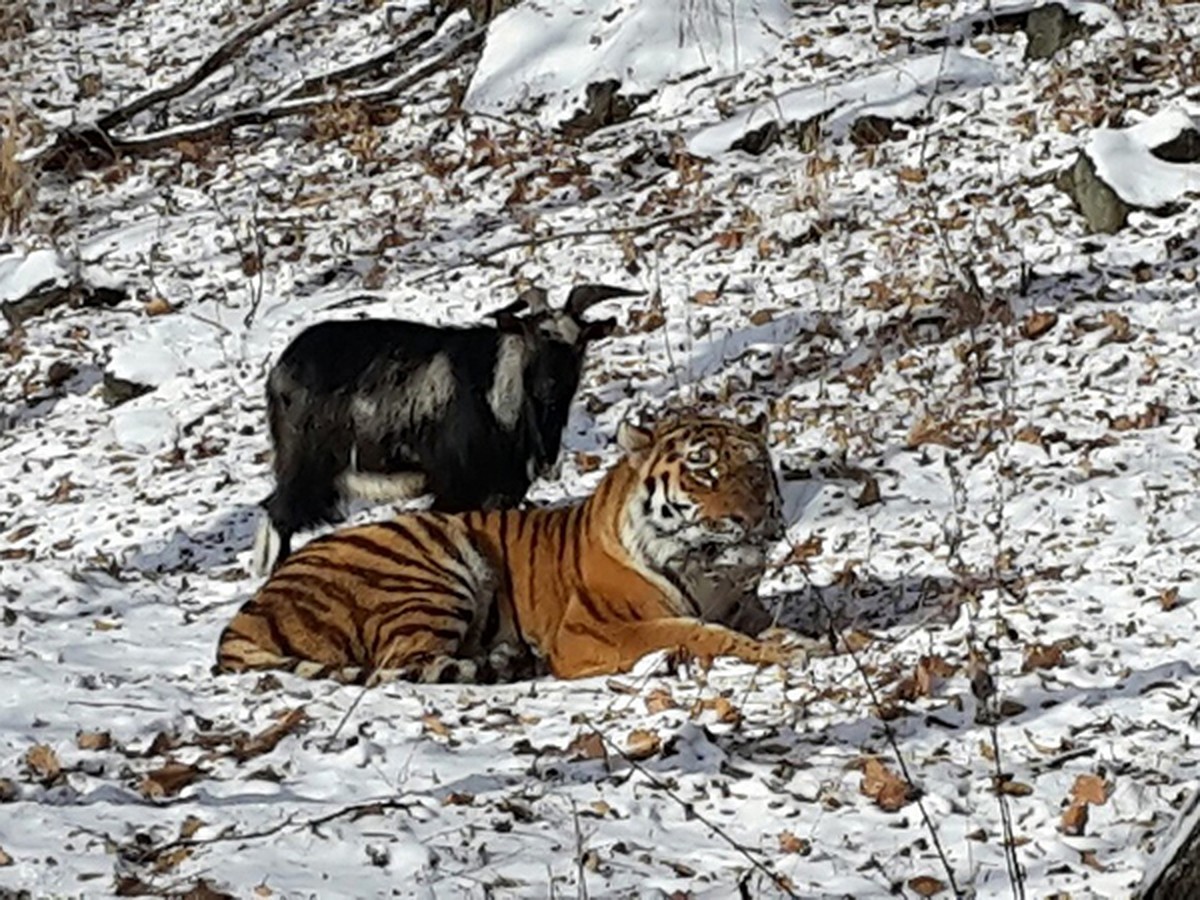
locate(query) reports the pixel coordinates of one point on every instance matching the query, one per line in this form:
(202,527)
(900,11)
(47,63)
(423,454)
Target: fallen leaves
(93,740)
(790,843)
(1047,656)
(1004,784)
(930,671)
(926,886)
(1037,324)
(587,745)
(5,859)
(42,762)
(1151,417)
(266,740)
(642,744)
(168,780)
(889,790)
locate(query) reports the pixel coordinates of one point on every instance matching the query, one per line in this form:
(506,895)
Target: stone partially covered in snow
(21,275)
(901,90)
(1149,165)
(553,51)
(146,429)
(149,362)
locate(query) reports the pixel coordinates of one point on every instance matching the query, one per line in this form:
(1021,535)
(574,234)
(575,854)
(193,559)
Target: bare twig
(97,146)
(776,879)
(697,216)
(890,733)
(219,58)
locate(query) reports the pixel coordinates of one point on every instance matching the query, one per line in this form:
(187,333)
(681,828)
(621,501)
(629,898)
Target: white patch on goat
(266,548)
(381,487)
(562,327)
(507,393)
(430,388)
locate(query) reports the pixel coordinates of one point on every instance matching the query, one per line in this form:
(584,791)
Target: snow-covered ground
(986,418)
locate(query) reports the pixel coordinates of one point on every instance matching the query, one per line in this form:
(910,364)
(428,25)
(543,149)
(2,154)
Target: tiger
(576,590)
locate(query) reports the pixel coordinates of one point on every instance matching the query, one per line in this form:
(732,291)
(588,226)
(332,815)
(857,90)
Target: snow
(1036,477)
(900,90)
(22,274)
(551,51)
(1124,160)
(149,362)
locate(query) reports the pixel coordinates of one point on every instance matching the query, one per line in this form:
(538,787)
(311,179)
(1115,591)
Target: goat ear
(594,331)
(633,438)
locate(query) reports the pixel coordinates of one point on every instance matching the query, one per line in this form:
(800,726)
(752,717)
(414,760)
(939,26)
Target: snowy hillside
(952,249)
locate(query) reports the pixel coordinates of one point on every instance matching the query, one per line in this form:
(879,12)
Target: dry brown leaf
(587,745)
(930,431)
(1089,858)
(802,552)
(1074,819)
(729,240)
(458,798)
(889,791)
(265,741)
(911,174)
(43,762)
(93,740)
(1153,416)
(5,859)
(790,843)
(762,316)
(706,298)
(261,890)
(1030,434)
(169,780)
(1091,789)
(1120,332)
(642,744)
(1005,785)
(856,641)
(434,725)
(658,700)
(600,808)
(1042,656)
(587,462)
(189,827)
(157,306)
(167,861)
(926,886)
(1038,323)
(1169,598)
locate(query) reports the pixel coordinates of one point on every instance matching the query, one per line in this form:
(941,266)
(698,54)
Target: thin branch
(892,740)
(104,147)
(776,879)
(219,58)
(636,228)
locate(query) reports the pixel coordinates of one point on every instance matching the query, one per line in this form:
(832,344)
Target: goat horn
(585,295)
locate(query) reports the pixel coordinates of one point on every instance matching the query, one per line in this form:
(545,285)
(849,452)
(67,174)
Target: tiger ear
(633,438)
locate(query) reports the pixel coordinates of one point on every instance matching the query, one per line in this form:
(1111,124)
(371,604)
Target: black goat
(386,409)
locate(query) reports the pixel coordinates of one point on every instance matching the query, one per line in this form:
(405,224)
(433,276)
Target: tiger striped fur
(583,589)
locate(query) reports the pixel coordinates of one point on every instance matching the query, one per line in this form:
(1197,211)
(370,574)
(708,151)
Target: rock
(1104,211)
(1183,148)
(869,130)
(1050,28)
(605,106)
(118,390)
(759,140)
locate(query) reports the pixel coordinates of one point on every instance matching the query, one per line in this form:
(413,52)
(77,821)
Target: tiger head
(704,487)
